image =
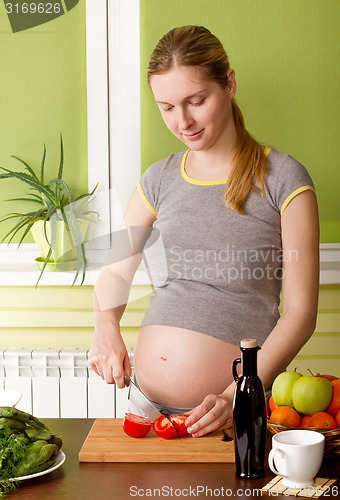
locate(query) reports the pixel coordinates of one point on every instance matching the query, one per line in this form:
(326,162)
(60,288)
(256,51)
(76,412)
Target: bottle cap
(248,343)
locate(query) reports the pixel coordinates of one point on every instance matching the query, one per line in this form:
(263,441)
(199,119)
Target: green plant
(54,203)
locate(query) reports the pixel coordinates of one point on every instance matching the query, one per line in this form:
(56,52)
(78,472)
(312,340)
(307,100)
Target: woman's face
(195,109)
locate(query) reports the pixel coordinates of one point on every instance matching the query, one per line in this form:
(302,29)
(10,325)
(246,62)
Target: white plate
(60,460)
(9,398)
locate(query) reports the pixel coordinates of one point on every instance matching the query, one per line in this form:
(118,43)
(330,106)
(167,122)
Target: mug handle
(271,458)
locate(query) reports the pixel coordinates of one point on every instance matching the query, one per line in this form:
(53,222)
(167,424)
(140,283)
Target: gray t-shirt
(214,271)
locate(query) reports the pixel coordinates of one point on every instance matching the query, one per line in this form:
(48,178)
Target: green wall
(286,57)
(43,93)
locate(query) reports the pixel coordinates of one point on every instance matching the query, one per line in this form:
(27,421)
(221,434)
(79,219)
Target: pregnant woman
(228,224)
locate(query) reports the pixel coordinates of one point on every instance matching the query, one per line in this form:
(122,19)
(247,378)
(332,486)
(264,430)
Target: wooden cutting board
(107,442)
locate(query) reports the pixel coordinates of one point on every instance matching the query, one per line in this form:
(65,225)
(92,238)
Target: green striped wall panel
(55,297)
(60,316)
(63,317)
(329,297)
(321,354)
(328,321)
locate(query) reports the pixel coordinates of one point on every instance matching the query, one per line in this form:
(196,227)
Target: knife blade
(138,398)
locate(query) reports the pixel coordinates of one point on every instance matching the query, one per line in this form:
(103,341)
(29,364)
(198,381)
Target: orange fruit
(334,405)
(286,415)
(322,419)
(337,419)
(305,421)
(271,404)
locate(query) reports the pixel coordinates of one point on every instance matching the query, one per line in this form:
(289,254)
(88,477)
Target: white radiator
(59,383)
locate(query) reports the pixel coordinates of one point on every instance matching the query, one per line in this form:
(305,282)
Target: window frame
(112,99)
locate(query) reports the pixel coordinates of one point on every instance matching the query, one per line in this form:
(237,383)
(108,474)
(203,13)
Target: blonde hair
(197,46)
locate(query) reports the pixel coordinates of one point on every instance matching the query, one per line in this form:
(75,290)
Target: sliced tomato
(135,425)
(178,421)
(164,428)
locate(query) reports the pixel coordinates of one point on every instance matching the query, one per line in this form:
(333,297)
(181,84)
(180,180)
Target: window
(113,125)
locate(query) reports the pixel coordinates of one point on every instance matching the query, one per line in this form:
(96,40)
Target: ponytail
(249,163)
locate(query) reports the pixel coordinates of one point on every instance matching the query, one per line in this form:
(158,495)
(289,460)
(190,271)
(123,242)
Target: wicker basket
(332,437)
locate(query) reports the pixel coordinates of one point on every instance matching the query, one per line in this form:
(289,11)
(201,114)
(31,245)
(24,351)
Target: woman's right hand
(108,355)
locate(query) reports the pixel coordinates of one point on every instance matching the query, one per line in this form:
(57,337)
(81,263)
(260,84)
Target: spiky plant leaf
(31,171)
(73,225)
(22,223)
(60,171)
(23,219)
(30,181)
(43,267)
(25,233)
(42,166)
(60,182)
(61,164)
(24,199)
(87,195)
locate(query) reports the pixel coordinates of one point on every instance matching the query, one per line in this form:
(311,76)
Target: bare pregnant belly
(179,367)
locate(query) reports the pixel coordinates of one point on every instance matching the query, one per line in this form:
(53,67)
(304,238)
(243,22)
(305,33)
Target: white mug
(297,455)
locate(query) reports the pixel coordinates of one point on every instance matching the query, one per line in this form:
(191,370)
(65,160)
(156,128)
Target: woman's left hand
(214,413)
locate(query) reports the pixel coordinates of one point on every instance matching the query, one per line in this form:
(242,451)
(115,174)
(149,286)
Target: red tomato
(164,428)
(136,426)
(178,421)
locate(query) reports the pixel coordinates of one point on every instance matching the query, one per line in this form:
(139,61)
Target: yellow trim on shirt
(196,181)
(266,150)
(145,201)
(206,183)
(293,194)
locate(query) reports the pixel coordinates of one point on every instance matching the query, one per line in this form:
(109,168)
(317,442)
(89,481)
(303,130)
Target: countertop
(78,481)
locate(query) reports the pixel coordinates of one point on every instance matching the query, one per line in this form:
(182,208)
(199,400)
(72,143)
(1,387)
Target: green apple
(283,386)
(311,394)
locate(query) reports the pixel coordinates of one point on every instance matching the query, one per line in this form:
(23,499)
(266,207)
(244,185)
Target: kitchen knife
(136,396)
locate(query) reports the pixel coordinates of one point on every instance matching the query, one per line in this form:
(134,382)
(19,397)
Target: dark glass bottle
(249,414)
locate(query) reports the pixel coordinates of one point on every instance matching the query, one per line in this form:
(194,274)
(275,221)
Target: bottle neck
(249,361)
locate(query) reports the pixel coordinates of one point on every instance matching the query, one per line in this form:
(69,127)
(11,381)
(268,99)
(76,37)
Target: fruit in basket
(305,421)
(283,387)
(271,405)
(337,419)
(322,419)
(334,405)
(327,377)
(286,415)
(311,394)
